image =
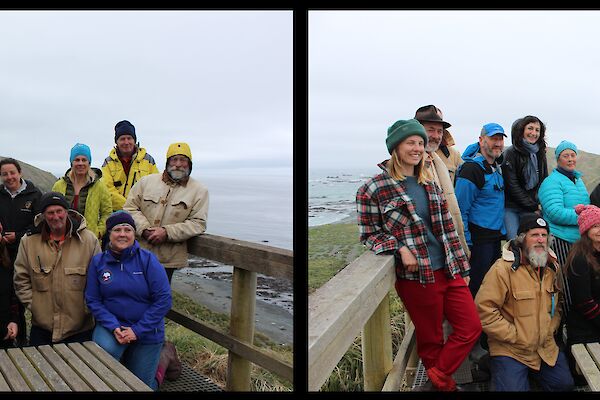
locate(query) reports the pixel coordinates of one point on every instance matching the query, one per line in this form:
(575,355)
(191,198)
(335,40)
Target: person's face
(594,234)
(435,132)
(56,218)
(121,237)
(126,144)
(536,240)
(179,162)
(80,165)
(11,177)
(410,150)
(531,132)
(492,146)
(567,160)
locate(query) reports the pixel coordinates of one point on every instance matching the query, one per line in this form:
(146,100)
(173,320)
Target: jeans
(512,217)
(483,255)
(140,359)
(509,374)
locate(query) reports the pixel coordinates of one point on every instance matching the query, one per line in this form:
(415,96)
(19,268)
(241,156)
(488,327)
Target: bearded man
(169,208)
(519,304)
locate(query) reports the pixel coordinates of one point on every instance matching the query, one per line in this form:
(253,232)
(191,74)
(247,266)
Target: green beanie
(403,129)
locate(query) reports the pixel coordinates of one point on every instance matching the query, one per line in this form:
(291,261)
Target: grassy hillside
(40,178)
(587,163)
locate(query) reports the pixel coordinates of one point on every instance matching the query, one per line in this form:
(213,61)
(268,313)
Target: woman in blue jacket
(129,295)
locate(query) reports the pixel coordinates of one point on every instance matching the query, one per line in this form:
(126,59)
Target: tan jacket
(441,177)
(515,310)
(181,210)
(50,281)
(453,160)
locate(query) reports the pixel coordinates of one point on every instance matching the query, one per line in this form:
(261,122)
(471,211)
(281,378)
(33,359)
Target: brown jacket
(50,281)
(441,177)
(451,157)
(516,310)
(181,210)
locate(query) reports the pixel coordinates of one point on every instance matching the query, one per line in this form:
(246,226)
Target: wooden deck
(73,367)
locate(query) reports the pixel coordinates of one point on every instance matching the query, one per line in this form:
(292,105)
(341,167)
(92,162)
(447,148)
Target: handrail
(247,260)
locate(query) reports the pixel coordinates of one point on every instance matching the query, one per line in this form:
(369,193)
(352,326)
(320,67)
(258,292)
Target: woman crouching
(402,211)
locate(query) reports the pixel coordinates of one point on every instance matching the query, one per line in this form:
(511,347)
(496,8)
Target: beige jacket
(50,282)
(441,177)
(515,309)
(181,210)
(453,160)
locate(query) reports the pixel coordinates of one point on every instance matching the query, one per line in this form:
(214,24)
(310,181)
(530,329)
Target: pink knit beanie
(588,217)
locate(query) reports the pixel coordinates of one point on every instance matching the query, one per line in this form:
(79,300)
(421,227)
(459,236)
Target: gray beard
(537,259)
(178,175)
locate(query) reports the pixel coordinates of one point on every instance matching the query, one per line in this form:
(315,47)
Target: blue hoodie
(133,291)
(480,195)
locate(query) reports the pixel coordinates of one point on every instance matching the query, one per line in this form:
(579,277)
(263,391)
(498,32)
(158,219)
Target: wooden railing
(247,260)
(354,302)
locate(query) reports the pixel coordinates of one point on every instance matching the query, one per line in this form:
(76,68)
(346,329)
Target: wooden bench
(587,358)
(73,367)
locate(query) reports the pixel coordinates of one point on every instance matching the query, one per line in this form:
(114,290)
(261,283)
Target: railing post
(413,358)
(243,305)
(377,347)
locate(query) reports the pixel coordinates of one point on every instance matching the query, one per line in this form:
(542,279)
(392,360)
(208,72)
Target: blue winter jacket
(133,292)
(558,196)
(480,194)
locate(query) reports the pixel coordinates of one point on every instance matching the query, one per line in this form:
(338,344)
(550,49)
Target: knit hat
(124,128)
(119,217)
(588,216)
(80,149)
(53,199)
(531,221)
(564,145)
(492,129)
(402,129)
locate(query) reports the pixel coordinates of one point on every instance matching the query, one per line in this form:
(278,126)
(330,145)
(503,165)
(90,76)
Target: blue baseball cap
(492,129)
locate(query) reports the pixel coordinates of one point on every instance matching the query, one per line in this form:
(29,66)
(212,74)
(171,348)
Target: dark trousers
(170,272)
(483,255)
(39,337)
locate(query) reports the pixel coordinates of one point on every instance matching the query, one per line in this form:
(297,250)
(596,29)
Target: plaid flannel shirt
(388,220)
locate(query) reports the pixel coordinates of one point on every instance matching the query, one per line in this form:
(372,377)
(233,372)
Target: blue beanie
(564,145)
(81,149)
(118,218)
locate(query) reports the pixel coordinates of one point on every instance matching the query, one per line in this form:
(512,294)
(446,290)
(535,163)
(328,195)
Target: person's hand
(467,279)
(408,259)
(120,336)
(10,237)
(157,235)
(128,334)
(12,330)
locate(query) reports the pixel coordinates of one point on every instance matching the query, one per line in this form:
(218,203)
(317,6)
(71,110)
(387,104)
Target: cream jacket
(181,210)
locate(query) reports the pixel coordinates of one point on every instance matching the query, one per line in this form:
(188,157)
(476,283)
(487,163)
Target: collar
(512,253)
(19,190)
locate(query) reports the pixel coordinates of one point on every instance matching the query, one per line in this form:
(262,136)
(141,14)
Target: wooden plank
(377,347)
(12,374)
(339,309)
(28,371)
(70,377)
(4,387)
(81,368)
(47,372)
(110,378)
(588,367)
(117,368)
(396,374)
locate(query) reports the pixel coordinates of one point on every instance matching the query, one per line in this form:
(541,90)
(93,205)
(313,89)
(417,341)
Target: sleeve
(106,208)
(370,224)
(513,186)
(579,281)
(552,199)
(466,192)
(154,169)
(595,196)
(194,224)
(453,232)
(57,186)
(133,206)
(160,292)
(118,200)
(22,277)
(489,301)
(93,299)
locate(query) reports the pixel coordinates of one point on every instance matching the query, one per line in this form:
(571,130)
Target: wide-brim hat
(431,113)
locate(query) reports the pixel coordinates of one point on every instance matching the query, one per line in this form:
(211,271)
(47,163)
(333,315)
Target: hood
(516,137)
(77,222)
(512,254)
(447,139)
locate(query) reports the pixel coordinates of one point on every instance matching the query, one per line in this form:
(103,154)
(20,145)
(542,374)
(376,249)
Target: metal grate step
(189,381)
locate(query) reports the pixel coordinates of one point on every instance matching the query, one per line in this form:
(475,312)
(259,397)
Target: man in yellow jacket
(126,164)
(169,209)
(519,304)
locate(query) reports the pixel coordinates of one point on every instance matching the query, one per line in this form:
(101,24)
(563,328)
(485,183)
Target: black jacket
(583,321)
(16,215)
(513,166)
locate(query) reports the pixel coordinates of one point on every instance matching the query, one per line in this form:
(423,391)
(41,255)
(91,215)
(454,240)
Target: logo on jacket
(106,276)
(27,205)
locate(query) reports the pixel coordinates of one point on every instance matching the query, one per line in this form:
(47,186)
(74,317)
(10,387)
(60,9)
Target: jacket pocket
(75,278)
(394,217)
(41,282)
(525,303)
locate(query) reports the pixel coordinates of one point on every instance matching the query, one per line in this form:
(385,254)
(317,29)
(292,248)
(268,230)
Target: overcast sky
(368,69)
(218,80)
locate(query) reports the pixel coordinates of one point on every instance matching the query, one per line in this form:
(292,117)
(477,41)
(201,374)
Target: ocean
(332,194)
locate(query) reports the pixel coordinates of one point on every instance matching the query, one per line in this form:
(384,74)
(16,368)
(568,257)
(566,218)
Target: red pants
(427,306)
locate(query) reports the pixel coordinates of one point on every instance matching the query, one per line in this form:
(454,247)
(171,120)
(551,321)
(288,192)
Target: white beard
(537,259)
(178,175)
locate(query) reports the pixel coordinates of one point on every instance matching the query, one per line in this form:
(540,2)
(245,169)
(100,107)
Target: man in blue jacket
(480,195)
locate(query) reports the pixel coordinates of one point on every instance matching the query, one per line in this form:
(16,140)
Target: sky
(219,80)
(368,69)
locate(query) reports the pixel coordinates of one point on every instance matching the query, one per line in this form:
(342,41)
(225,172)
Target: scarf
(568,174)
(531,169)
